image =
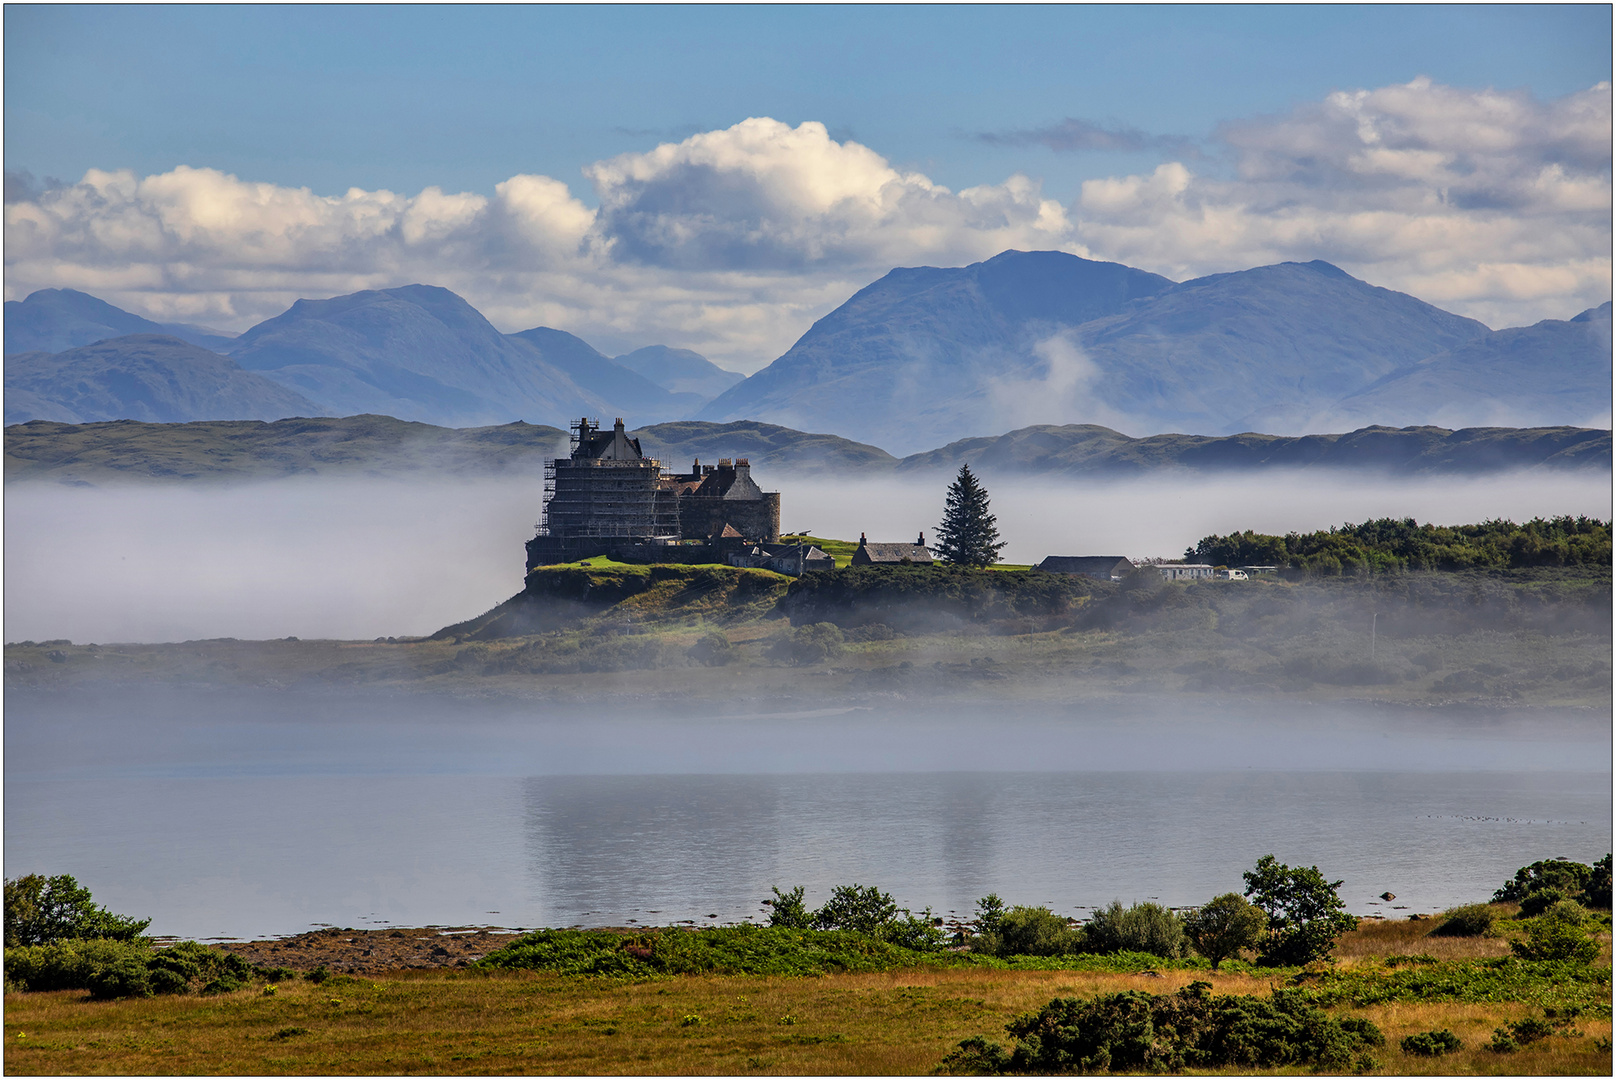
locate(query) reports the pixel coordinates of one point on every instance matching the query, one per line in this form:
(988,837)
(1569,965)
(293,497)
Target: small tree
(1560,933)
(989,914)
(1224,926)
(40,910)
(787,909)
(1305,914)
(969,535)
(867,910)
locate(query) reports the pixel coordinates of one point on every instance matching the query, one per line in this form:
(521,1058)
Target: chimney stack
(922,540)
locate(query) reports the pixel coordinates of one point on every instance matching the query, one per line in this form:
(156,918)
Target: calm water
(251,815)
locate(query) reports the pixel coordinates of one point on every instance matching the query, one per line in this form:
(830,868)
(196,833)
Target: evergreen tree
(969,535)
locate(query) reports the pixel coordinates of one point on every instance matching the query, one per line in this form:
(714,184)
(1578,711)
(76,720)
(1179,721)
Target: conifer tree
(969,535)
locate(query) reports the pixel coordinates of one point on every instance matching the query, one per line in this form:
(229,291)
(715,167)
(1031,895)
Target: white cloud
(732,242)
(1491,204)
(764,195)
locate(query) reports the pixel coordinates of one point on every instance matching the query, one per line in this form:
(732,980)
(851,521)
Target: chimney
(619,423)
(695,466)
(922,539)
(861,539)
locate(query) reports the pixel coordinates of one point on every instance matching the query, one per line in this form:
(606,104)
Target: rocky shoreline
(370,952)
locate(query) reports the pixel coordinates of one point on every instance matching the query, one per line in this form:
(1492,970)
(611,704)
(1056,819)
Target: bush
(788,910)
(1431,1043)
(110,969)
(1471,920)
(1146,928)
(864,910)
(808,645)
(40,910)
(1563,874)
(69,964)
(1224,926)
(1030,931)
(1188,1031)
(712,649)
(1540,900)
(1558,934)
(1305,913)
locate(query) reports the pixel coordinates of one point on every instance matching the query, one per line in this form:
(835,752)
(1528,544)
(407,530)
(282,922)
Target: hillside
(680,371)
(225,450)
(55,320)
(1087,450)
(1569,361)
(149,377)
(925,353)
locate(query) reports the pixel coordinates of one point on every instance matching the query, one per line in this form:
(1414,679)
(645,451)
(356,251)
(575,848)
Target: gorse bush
(1471,920)
(40,910)
(1431,1043)
(1224,926)
(1560,933)
(1191,1030)
(1146,928)
(115,969)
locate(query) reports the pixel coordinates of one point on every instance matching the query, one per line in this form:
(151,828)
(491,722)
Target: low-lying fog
(362,559)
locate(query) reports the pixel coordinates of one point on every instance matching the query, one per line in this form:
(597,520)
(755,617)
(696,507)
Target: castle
(608,498)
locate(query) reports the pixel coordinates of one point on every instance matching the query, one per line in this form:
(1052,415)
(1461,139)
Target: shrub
(1518,1033)
(1224,926)
(40,910)
(1596,893)
(1305,914)
(1431,1043)
(1146,928)
(1558,934)
(712,649)
(788,910)
(1540,900)
(69,964)
(1563,874)
(126,977)
(1031,931)
(1191,1030)
(1471,920)
(110,969)
(989,914)
(864,910)
(807,645)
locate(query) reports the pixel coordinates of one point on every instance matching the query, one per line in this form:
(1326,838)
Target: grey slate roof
(1107,566)
(885,554)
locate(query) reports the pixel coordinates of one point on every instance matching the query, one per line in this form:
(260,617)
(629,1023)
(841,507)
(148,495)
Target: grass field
(459,1022)
(903,1021)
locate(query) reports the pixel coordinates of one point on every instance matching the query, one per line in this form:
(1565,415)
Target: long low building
(1098,567)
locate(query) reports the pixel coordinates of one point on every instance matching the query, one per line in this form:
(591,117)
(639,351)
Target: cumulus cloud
(764,195)
(731,242)
(1489,203)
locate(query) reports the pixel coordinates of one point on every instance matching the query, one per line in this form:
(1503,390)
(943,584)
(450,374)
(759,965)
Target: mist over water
(253,813)
(364,559)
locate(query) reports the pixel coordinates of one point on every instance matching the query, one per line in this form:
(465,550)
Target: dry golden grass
(1412,937)
(450,1022)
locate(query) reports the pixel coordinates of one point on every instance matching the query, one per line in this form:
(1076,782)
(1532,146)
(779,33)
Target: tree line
(1392,544)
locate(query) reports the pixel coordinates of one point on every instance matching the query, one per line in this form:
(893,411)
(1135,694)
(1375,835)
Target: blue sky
(460,100)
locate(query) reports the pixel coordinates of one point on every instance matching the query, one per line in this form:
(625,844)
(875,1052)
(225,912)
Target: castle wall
(701,516)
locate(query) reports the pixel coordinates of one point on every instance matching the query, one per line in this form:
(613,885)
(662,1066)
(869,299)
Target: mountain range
(380,446)
(417,353)
(921,357)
